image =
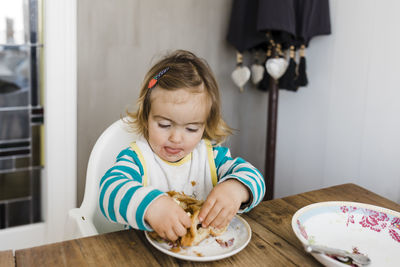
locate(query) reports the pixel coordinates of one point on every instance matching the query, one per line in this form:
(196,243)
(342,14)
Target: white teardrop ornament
(257,73)
(240,76)
(276,67)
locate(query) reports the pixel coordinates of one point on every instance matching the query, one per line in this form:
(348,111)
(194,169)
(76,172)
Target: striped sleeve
(123,198)
(237,168)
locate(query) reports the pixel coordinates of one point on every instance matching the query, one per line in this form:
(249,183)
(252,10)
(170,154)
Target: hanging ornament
(287,81)
(265,82)
(257,73)
(241,74)
(302,77)
(276,66)
(257,70)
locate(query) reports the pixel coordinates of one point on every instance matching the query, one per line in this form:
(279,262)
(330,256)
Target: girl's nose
(175,136)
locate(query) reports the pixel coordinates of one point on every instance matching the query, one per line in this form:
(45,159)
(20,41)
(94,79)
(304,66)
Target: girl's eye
(162,125)
(192,130)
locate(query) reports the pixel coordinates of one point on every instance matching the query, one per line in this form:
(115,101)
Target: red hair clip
(155,79)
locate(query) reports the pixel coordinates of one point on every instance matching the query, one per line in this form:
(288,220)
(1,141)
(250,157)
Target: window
(21,112)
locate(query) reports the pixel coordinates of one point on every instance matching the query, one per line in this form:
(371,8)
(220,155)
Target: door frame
(60,85)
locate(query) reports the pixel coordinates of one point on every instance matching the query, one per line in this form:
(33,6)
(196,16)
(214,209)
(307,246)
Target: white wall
(343,127)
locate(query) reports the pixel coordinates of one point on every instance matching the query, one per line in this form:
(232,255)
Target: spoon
(357,258)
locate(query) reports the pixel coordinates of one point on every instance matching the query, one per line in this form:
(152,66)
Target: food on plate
(225,244)
(196,233)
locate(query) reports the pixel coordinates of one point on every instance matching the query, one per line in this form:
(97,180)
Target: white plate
(373,231)
(209,249)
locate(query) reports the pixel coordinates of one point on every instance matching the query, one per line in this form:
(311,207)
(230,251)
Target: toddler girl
(180,124)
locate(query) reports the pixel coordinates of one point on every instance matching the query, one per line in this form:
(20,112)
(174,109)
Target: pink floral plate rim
(370,217)
(373,217)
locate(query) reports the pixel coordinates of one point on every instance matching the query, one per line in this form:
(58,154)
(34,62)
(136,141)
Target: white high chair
(88,220)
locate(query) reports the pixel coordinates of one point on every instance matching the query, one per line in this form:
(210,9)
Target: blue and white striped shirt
(130,186)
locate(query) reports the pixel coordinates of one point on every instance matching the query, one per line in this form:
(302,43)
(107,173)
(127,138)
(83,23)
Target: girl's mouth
(172,151)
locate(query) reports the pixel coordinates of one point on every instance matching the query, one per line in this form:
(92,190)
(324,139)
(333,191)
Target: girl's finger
(179,230)
(205,209)
(185,220)
(222,219)
(212,214)
(162,234)
(171,235)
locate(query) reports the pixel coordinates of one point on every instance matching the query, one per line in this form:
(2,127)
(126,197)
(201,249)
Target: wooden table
(6,258)
(273,242)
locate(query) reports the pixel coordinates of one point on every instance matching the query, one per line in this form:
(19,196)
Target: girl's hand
(167,218)
(222,203)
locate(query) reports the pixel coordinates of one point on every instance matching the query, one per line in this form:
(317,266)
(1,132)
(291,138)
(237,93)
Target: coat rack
(270,144)
(275,26)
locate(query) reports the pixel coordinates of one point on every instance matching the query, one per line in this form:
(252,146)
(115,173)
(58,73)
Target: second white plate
(209,249)
(352,226)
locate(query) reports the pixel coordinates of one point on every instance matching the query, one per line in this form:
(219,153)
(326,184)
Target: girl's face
(176,121)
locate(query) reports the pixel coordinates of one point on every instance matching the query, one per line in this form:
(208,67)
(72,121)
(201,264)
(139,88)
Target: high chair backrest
(87,219)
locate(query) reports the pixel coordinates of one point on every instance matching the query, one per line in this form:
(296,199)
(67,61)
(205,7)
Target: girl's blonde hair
(185,70)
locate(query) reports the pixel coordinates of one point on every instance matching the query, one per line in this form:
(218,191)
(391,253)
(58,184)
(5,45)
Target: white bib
(195,175)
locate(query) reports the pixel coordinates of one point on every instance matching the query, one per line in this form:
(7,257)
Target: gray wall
(118,41)
(343,127)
